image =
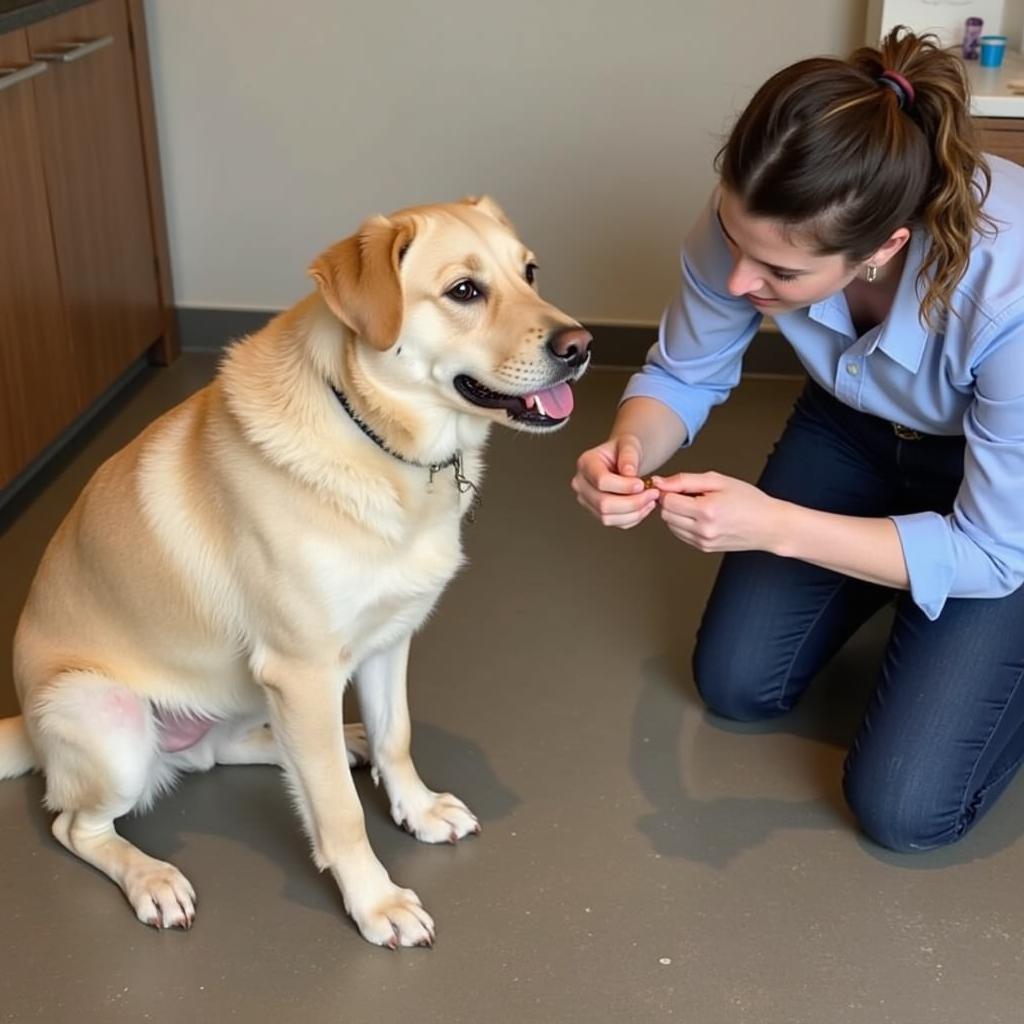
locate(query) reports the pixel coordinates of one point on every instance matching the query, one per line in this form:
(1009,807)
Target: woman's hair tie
(896,83)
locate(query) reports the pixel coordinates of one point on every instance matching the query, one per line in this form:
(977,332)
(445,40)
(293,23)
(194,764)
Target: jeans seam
(981,753)
(796,654)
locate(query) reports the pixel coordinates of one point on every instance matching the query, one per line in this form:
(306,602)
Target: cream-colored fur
(226,574)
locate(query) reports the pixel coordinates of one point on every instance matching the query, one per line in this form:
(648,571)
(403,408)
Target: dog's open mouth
(542,408)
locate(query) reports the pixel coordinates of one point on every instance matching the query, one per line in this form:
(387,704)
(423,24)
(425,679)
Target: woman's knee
(904,812)
(735,688)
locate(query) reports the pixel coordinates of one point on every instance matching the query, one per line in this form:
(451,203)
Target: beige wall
(282,124)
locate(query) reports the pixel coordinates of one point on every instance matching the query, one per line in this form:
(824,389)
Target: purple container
(972,38)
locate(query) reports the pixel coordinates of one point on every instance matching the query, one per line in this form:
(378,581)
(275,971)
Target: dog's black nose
(571,345)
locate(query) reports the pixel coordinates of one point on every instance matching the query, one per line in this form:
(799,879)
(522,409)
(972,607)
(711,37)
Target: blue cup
(992,50)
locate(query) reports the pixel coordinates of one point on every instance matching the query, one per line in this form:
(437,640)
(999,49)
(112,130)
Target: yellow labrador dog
(285,530)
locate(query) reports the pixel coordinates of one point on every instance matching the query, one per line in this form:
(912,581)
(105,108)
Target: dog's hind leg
(98,744)
(159,893)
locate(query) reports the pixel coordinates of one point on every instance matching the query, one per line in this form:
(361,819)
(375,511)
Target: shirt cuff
(691,406)
(929,558)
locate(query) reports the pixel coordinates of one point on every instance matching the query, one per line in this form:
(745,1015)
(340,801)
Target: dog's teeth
(540,407)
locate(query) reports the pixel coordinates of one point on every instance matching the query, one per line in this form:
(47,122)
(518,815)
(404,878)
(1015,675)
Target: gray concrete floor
(639,861)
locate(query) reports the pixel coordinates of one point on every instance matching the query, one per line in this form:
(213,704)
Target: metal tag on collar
(464,484)
(435,468)
(461,480)
(455,461)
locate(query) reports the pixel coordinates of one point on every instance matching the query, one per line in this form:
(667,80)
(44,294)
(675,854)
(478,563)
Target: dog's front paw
(394,917)
(436,818)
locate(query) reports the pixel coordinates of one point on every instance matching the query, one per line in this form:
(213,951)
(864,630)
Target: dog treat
(648,482)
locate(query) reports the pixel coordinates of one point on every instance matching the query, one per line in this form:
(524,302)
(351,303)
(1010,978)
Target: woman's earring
(871,273)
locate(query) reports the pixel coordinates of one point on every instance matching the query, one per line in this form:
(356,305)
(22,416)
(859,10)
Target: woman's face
(775,273)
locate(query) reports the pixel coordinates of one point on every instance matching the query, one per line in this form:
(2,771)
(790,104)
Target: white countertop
(991,96)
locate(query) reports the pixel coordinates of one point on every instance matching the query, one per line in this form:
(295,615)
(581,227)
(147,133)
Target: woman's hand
(607,485)
(712,512)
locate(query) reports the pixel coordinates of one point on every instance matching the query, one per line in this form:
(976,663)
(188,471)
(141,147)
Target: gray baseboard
(209,330)
(614,344)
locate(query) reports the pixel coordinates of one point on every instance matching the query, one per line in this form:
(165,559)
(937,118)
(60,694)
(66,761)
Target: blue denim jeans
(944,731)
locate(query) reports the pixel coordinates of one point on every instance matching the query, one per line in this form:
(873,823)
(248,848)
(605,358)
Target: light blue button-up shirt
(966,378)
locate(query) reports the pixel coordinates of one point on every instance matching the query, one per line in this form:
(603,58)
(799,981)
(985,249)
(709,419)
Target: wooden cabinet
(84,275)
(1002,136)
(35,353)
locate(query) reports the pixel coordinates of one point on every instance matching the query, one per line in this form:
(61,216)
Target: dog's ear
(485,204)
(359,279)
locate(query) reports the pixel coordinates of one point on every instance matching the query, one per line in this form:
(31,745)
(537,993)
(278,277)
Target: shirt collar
(834,313)
(901,336)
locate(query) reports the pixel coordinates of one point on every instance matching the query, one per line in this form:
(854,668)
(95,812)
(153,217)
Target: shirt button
(852,369)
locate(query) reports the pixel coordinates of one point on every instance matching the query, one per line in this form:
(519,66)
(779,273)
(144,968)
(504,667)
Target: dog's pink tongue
(557,401)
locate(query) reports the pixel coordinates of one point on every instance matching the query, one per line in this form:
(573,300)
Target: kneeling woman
(856,209)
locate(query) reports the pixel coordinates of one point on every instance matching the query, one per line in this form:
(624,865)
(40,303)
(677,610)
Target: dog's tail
(17,754)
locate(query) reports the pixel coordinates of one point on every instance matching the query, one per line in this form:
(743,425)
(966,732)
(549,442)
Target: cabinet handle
(12,76)
(65,53)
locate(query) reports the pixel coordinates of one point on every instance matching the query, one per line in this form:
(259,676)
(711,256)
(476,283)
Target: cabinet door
(1003,136)
(95,177)
(38,397)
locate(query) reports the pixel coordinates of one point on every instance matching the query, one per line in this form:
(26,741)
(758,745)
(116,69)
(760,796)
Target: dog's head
(445,296)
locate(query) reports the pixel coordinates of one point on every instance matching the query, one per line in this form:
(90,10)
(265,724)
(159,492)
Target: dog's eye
(531,272)
(464,291)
